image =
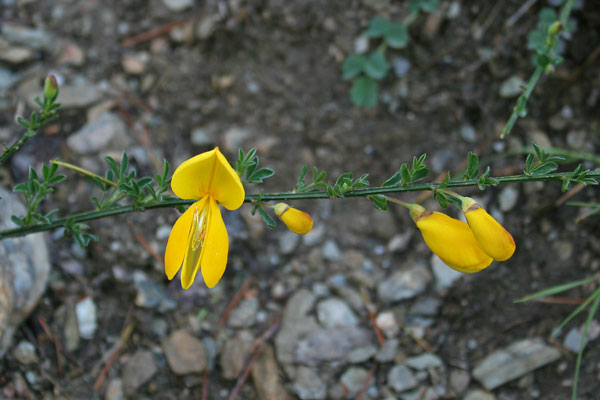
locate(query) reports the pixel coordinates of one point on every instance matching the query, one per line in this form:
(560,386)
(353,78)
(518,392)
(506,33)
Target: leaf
(419,174)
(267,218)
(397,36)
(379,201)
(21,188)
(377,66)
(424,5)
(18,221)
(528,163)
(353,65)
(545,168)
(393,181)
(364,92)
(377,28)
(261,174)
(124,164)
(56,179)
(302,175)
(472,166)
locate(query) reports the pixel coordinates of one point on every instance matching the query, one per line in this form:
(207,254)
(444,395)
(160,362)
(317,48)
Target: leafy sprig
(247,167)
(345,183)
(545,164)
(318,182)
(407,174)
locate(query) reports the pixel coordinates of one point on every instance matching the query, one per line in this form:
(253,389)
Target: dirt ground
(267,74)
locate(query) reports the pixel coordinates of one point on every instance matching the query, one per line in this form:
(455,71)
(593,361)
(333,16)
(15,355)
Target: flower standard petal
(216,247)
(496,241)
(211,174)
(178,239)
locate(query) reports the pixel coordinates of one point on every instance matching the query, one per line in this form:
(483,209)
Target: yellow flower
(199,238)
(296,220)
(496,241)
(450,239)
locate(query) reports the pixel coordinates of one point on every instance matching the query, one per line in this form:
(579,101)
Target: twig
(235,300)
(53,338)
(426,346)
(367,382)
(572,192)
(149,35)
(125,335)
(205,385)
(372,318)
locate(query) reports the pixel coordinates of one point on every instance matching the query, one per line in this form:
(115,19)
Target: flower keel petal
(216,247)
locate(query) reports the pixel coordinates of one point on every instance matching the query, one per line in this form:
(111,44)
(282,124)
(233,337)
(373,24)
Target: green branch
(286,196)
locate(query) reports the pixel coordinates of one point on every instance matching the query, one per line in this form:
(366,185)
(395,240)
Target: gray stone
(244,315)
(404,284)
(389,351)
(86,318)
(441,159)
(353,380)
(14,54)
(178,5)
(387,322)
(234,353)
(514,361)
(308,385)
(459,380)
(80,94)
(331,251)
(507,198)
(361,45)
(184,352)
(401,379)
(330,344)
(444,275)
(315,236)
(153,295)
(25,352)
(23,35)
(400,242)
(468,133)
(234,138)
(361,354)
(427,306)
(295,323)
(335,312)
(201,137)
(108,130)
(114,390)
(401,66)
(423,393)
(573,339)
(71,328)
(288,241)
(267,377)
(512,87)
(138,370)
(24,269)
(478,394)
(424,361)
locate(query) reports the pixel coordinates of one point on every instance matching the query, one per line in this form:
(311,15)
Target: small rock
(386,321)
(427,306)
(512,87)
(25,353)
(330,344)
(267,377)
(114,390)
(361,354)
(222,82)
(184,352)
(441,159)
(400,242)
(244,315)
(7,80)
(70,54)
(288,241)
(507,198)
(201,137)
(401,379)
(404,284)
(138,370)
(234,353)
(15,55)
(478,394)
(353,380)
(205,27)
(383,224)
(234,138)
(453,10)
(71,328)
(578,140)
(331,251)
(389,351)
(401,66)
(107,130)
(308,385)
(514,361)
(423,393)
(573,338)
(424,361)
(314,237)
(468,133)
(80,94)
(361,45)
(178,5)
(444,275)
(540,138)
(86,318)
(335,312)
(23,35)
(135,64)
(153,295)
(459,380)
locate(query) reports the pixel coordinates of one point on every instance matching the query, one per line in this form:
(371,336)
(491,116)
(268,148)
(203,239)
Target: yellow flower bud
(450,239)
(296,220)
(496,241)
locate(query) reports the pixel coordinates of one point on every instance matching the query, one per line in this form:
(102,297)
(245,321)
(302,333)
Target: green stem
(286,196)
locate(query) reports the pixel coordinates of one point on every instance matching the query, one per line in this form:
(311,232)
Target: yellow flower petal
(216,247)
(296,220)
(453,242)
(496,241)
(211,174)
(178,239)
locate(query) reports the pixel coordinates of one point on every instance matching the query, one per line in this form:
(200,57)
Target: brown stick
(365,385)
(234,302)
(57,344)
(151,34)
(125,335)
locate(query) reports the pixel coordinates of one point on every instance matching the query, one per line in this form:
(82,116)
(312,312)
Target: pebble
(361,45)
(441,159)
(15,55)
(334,312)
(267,377)
(7,80)
(234,353)
(234,138)
(295,323)
(459,380)
(578,139)
(453,10)
(114,390)
(184,352)
(329,344)
(108,130)
(178,5)
(70,54)
(206,27)
(398,243)
(288,241)
(424,361)
(478,394)
(138,370)
(86,318)
(512,87)
(331,251)
(468,133)
(135,64)
(423,393)
(32,38)
(514,361)
(25,353)
(389,351)
(386,321)
(314,237)
(353,380)
(71,328)
(401,66)
(383,224)
(404,284)
(444,275)
(244,315)
(573,339)
(153,295)
(401,379)
(308,385)
(507,198)
(202,137)
(427,306)
(79,94)
(361,354)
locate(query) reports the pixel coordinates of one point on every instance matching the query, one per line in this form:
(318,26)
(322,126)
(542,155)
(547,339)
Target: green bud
(50,88)
(555,28)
